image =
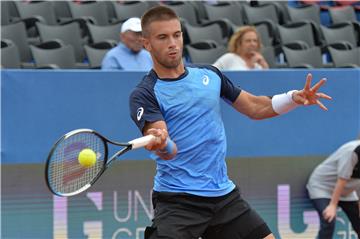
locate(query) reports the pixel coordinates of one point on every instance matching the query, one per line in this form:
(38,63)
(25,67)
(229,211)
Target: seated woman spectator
(244,52)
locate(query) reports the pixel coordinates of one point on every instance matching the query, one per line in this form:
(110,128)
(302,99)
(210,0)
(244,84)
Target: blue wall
(39,106)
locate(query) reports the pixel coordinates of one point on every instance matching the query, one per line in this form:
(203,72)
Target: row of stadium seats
(90,40)
(297,38)
(54,55)
(294,58)
(195,12)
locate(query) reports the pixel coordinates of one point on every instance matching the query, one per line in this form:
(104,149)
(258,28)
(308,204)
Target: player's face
(249,43)
(165,43)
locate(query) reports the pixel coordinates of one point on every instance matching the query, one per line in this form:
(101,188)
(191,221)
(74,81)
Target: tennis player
(193,196)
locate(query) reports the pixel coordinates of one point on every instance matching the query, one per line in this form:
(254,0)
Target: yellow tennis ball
(87,158)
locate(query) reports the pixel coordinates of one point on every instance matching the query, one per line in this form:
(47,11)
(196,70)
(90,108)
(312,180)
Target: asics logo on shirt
(140,112)
(205,80)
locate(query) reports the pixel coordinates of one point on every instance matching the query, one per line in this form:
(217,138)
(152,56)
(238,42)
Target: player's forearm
(338,190)
(255,107)
(263,108)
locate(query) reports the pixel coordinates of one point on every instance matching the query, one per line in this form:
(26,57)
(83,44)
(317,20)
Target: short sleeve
(356,160)
(346,164)
(228,90)
(144,107)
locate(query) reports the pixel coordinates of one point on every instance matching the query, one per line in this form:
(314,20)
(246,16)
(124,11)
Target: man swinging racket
(193,196)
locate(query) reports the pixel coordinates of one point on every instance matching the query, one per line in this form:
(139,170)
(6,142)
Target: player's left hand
(310,95)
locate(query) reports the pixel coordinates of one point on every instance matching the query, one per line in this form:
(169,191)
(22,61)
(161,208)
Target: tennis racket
(65,176)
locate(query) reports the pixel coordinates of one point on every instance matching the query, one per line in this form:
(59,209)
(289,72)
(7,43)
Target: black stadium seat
(68,34)
(308,13)
(345,58)
(104,33)
(44,11)
(339,35)
(95,56)
(342,14)
(204,56)
(17,33)
(96,12)
(201,33)
(227,11)
(62,57)
(301,36)
(10,57)
(303,58)
(126,10)
(263,14)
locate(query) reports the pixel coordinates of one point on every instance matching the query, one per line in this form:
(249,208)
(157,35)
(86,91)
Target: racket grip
(141,142)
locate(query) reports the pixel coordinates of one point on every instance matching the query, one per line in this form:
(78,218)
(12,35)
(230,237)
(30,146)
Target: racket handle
(141,142)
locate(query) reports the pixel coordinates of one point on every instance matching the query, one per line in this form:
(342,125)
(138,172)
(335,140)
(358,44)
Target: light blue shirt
(190,106)
(122,58)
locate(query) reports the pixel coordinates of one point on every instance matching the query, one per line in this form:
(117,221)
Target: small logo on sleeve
(205,80)
(140,112)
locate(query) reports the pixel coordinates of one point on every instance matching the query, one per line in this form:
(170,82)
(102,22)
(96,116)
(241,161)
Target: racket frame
(137,143)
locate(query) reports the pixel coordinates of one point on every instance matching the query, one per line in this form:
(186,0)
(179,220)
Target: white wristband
(283,103)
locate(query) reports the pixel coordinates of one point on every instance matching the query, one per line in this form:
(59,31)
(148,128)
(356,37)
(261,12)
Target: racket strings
(65,174)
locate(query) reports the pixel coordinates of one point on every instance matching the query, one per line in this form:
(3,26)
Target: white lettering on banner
(352,234)
(140,232)
(60,217)
(348,233)
(131,212)
(116,210)
(117,235)
(93,229)
(122,233)
(138,198)
(311,218)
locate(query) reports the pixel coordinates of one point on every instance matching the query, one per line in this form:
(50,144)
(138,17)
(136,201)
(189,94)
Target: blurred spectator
(129,54)
(333,184)
(244,52)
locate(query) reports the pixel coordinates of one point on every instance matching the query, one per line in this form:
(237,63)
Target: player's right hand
(160,142)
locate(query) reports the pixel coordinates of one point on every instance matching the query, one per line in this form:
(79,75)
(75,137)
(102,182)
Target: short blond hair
(237,37)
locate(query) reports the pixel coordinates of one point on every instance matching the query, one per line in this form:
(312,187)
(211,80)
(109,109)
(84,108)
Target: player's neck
(169,73)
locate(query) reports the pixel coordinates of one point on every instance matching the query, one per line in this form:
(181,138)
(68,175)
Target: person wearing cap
(129,54)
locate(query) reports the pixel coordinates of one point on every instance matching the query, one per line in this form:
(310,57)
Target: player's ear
(146,43)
